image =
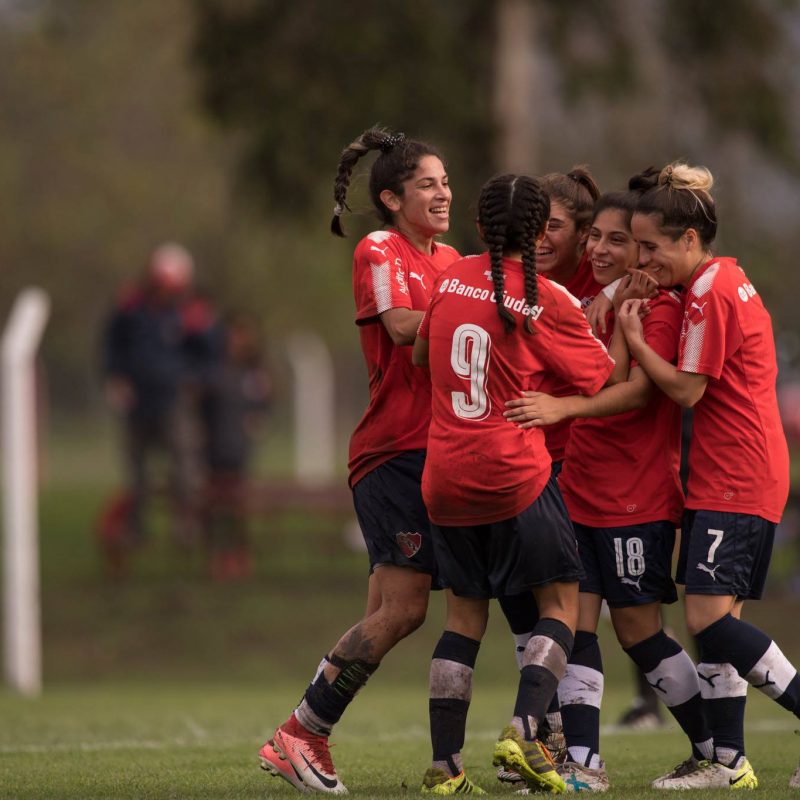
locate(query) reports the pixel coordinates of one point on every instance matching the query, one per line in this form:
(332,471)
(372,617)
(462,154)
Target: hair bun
(681,176)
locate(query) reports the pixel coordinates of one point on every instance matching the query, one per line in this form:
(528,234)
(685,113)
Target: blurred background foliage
(219,123)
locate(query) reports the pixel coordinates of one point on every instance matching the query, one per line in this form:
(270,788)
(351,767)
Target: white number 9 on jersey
(470,360)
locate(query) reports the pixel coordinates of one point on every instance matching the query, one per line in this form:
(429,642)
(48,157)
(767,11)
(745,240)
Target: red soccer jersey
(480,468)
(583,287)
(738,459)
(624,470)
(389,272)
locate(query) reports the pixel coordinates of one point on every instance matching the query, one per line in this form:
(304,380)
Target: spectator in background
(159,339)
(236,394)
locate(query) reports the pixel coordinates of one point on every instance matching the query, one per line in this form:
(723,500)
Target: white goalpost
(314,408)
(21,599)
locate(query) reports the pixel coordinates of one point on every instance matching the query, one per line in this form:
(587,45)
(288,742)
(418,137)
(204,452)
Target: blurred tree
(301,80)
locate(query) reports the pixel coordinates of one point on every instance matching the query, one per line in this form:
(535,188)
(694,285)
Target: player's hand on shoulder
(596,313)
(630,317)
(636,285)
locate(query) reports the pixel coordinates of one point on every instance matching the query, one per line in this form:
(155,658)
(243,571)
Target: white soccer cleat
(582,779)
(794,781)
(694,774)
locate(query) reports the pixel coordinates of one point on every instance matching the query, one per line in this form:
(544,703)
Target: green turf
(164,684)
(169,740)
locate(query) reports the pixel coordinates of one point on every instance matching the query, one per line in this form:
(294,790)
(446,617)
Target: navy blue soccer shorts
(725,553)
(511,556)
(392,515)
(628,565)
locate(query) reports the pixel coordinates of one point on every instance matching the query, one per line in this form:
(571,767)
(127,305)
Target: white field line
(409,734)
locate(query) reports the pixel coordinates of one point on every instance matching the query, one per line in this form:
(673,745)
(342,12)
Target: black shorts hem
(398,563)
(514,590)
(719,591)
(640,601)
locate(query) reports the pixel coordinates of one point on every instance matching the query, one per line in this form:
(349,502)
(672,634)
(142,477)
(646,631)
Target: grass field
(165,684)
(185,740)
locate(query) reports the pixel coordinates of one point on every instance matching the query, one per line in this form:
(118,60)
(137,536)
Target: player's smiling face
(423,210)
(611,247)
(560,249)
(670,261)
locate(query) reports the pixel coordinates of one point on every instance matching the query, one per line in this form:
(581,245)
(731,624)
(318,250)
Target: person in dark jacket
(158,341)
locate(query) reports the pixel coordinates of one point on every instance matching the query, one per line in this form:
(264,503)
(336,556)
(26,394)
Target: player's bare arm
(536,409)
(401,324)
(683,388)
(419,355)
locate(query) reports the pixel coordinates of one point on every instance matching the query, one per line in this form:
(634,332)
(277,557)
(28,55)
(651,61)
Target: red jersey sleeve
(709,333)
(380,276)
(662,326)
(574,353)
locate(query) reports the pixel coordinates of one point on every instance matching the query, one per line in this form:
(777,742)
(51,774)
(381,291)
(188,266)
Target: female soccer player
(393,272)
(561,256)
(738,462)
(499,523)
(624,514)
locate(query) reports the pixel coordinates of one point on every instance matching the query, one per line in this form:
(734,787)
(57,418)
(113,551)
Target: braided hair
(512,212)
(399,158)
(681,196)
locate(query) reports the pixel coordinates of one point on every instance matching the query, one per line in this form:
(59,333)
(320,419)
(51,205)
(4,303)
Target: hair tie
(338,210)
(668,175)
(390,142)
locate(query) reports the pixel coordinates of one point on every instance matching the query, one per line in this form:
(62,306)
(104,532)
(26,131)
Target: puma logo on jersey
(694,312)
(381,250)
(711,572)
(699,308)
(631,582)
(420,278)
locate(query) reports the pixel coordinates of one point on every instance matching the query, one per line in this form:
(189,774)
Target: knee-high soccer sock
(672,675)
(522,614)
(724,695)
(450,693)
(581,693)
(645,694)
(755,657)
(543,665)
(324,703)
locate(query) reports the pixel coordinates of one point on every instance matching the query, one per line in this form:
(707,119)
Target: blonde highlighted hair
(680,195)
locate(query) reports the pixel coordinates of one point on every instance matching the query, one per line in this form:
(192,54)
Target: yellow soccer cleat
(437,781)
(531,760)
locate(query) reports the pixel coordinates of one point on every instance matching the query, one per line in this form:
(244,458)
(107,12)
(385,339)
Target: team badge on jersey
(409,543)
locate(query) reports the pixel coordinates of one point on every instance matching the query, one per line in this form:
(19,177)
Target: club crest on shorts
(409,543)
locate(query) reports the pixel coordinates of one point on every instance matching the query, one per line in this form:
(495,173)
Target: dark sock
(671,673)
(543,665)
(755,657)
(580,693)
(324,703)
(450,693)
